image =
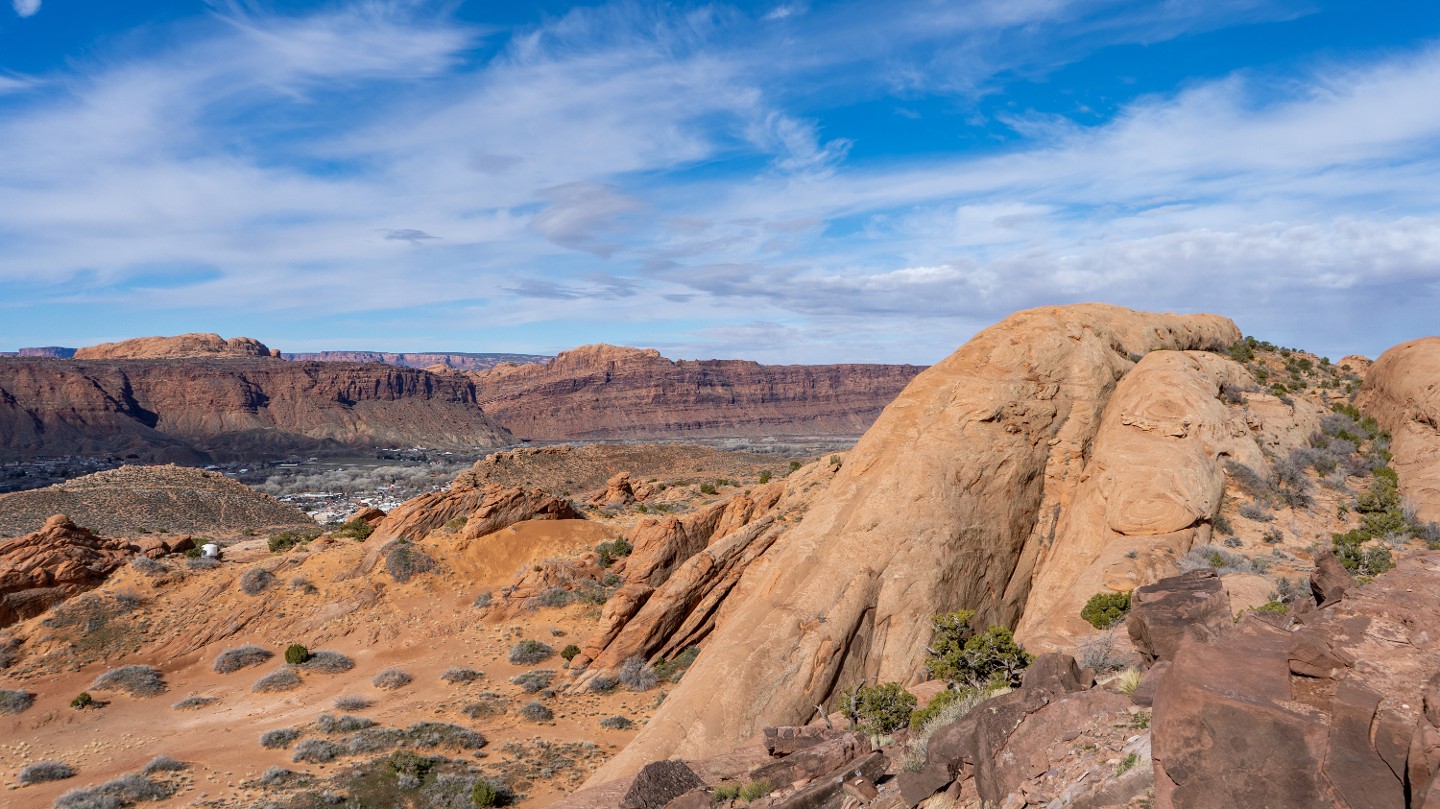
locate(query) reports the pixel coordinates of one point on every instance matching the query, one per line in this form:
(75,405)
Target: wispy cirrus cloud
(25,8)
(626,164)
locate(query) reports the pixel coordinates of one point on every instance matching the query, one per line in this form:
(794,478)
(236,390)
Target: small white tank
(210,550)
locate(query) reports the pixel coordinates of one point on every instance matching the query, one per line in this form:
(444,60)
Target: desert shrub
(13,701)
(555,597)
(1291,590)
(972,659)
(603,684)
(201,562)
(284,679)
(275,776)
(8,652)
(1222,525)
(536,712)
(194,703)
(1272,536)
(148,566)
(616,723)
(1248,480)
(295,537)
(1223,561)
(490,704)
(325,723)
(1274,608)
(637,676)
(461,675)
(483,600)
(707,488)
(295,654)
(456,523)
(304,585)
(328,662)
(570,652)
(317,751)
(1101,652)
(755,790)
(356,529)
(404,562)
(279,738)
(42,771)
(82,701)
(135,680)
(881,708)
(390,679)
(1256,511)
(256,580)
(164,764)
(529,652)
(617,548)
(438,734)
(764,477)
(119,792)
(1359,556)
(673,668)
(724,793)
(1232,542)
(1126,764)
(241,657)
(351,702)
(1291,486)
(532,682)
(1105,610)
(483,794)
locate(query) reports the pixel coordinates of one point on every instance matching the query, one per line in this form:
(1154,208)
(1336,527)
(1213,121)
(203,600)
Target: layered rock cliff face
(1402,391)
(187,410)
(457,360)
(60,560)
(184,345)
(952,499)
(605,391)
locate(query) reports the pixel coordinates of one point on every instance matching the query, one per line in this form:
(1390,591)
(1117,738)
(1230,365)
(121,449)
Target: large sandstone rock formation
(135,499)
(1402,392)
(947,502)
(184,345)
(485,507)
(1344,711)
(603,391)
(188,410)
(60,560)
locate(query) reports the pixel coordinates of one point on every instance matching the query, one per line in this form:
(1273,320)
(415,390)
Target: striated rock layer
(187,410)
(457,360)
(60,560)
(1402,392)
(603,391)
(947,502)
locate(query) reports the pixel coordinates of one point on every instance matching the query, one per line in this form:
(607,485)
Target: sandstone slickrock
(1402,392)
(185,345)
(60,560)
(1150,487)
(946,502)
(135,499)
(603,391)
(487,508)
(196,409)
(1166,613)
(1258,718)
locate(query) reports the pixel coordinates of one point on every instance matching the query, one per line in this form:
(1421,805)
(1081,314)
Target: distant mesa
(598,392)
(428,360)
(59,352)
(183,346)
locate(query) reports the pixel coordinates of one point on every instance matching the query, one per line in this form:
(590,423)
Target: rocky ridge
(428,360)
(178,347)
(610,392)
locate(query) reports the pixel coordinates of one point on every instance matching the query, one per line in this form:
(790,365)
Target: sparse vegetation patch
(137,681)
(241,657)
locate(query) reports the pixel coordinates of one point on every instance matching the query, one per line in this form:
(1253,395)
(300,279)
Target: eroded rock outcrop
(40,570)
(1402,392)
(1338,713)
(603,391)
(184,345)
(946,502)
(485,507)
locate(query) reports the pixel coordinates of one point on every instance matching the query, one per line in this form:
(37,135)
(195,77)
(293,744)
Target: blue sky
(786,182)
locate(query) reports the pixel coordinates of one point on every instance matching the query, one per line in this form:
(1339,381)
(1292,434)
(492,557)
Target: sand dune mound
(139,499)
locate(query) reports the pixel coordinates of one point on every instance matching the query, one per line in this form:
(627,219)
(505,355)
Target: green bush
(881,708)
(570,652)
(975,660)
(82,701)
(456,523)
(615,549)
(765,477)
(295,654)
(357,529)
(285,540)
(1105,610)
(755,790)
(1274,608)
(482,794)
(1352,552)
(707,488)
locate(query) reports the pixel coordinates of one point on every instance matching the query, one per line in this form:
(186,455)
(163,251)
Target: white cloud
(26,8)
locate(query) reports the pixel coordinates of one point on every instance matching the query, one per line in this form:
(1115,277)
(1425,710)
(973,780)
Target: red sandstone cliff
(603,391)
(190,409)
